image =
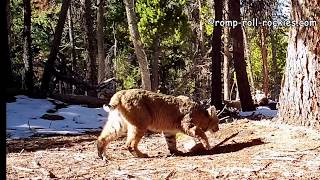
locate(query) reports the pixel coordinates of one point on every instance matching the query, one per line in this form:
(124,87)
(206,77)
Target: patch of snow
(23,118)
(261,110)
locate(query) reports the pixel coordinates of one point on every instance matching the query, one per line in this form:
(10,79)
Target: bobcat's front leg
(190,129)
(172,143)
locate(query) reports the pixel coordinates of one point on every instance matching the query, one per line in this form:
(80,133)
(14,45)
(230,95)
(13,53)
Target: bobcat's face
(214,120)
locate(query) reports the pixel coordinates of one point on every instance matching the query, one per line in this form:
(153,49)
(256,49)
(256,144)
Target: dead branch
(79,99)
(225,140)
(72,80)
(23,169)
(172,173)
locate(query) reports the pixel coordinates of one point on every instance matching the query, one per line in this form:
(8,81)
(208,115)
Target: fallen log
(80,99)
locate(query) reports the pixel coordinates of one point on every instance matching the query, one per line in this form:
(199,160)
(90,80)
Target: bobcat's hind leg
(133,139)
(172,143)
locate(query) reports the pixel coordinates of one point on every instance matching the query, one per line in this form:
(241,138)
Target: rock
(52,117)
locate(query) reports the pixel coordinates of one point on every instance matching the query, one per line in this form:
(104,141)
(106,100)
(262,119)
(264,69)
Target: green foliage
(161,18)
(127,72)
(206,15)
(167,20)
(281,42)
(16,35)
(43,24)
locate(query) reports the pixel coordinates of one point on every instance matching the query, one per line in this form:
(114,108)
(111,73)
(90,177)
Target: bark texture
(247,57)
(264,53)
(100,42)
(155,64)
(275,70)
(138,46)
(27,51)
(300,94)
(227,55)
(90,46)
(5,36)
(71,39)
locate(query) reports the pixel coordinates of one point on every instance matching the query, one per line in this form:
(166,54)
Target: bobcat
(137,111)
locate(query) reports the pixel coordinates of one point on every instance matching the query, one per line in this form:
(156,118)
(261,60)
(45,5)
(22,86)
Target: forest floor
(243,149)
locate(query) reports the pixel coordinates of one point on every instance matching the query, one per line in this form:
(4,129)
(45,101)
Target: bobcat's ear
(212,111)
(107,108)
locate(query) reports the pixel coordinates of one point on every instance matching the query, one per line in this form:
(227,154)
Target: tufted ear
(212,111)
(106,108)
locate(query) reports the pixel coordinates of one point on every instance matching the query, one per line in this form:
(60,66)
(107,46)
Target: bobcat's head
(214,120)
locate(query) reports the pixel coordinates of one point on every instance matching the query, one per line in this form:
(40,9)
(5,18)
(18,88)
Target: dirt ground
(243,149)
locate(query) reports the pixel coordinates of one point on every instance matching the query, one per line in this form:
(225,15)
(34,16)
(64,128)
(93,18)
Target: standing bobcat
(136,111)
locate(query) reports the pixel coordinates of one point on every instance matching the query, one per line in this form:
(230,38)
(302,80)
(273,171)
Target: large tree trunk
(275,69)
(72,45)
(238,57)
(155,64)
(216,86)
(300,94)
(47,74)
(247,57)
(264,53)
(100,42)
(138,46)
(71,39)
(27,52)
(90,46)
(226,55)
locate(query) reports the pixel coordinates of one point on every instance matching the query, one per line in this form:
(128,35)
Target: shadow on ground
(228,148)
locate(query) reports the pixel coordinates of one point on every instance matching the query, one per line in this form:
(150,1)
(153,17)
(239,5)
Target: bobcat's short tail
(115,127)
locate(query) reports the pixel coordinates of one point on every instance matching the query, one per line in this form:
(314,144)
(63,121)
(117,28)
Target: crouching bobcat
(136,111)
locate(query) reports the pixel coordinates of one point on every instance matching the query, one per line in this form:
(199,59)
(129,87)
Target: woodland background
(63,52)
(87,50)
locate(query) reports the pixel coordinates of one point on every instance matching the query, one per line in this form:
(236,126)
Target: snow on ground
(23,118)
(261,110)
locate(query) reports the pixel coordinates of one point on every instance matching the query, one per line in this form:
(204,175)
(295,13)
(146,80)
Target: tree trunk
(72,45)
(275,70)
(47,74)
(226,55)
(247,57)
(71,38)
(300,94)
(201,31)
(112,52)
(100,42)
(27,51)
(92,102)
(138,46)
(90,46)
(238,57)
(264,53)
(6,15)
(216,86)
(155,64)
